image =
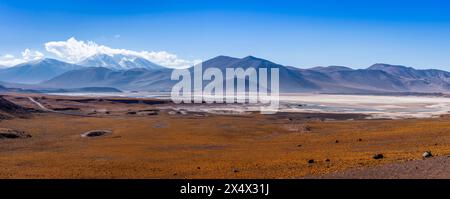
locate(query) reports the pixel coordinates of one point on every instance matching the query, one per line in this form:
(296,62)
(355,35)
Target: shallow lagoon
(376,106)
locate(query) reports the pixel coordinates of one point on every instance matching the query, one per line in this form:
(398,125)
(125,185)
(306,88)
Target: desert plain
(153,138)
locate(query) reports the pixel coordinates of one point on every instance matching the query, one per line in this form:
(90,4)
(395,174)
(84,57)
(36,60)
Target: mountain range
(36,71)
(131,73)
(119,62)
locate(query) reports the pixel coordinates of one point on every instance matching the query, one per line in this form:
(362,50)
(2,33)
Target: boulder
(96,133)
(152,113)
(427,154)
(378,156)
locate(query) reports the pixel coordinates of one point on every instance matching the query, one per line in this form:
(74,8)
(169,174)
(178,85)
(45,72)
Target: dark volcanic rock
(378,156)
(12,134)
(96,133)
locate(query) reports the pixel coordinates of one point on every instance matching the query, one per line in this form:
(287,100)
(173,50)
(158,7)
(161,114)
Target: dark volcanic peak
(219,60)
(223,62)
(291,80)
(224,57)
(253,58)
(250,57)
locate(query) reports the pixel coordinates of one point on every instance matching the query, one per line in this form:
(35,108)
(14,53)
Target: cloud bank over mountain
(27,55)
(74,51)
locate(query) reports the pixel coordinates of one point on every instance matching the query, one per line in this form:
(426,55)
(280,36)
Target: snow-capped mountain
(119,62)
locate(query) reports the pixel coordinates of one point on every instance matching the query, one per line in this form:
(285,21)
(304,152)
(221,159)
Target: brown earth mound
(9,107)
(12,134)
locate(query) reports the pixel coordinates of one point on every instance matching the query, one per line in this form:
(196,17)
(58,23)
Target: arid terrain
(150,138)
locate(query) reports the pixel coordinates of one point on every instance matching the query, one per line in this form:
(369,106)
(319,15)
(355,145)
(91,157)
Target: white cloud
(27,55)
(8,56)
(74,51)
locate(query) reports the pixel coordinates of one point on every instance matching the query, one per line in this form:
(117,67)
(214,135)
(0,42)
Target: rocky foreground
(146,138)
(432,168)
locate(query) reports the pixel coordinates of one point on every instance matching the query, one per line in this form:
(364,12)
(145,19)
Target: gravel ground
(431,168)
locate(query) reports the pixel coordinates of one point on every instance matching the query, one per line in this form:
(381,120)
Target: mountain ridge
(36,71)
(376,78)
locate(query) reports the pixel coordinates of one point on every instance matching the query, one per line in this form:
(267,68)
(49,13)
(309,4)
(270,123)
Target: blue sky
(297,33)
